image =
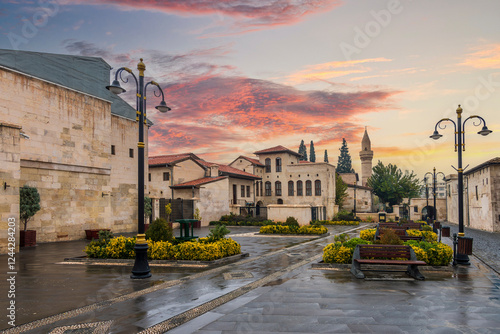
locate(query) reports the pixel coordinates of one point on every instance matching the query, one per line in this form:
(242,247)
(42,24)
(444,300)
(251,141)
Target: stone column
(10,174)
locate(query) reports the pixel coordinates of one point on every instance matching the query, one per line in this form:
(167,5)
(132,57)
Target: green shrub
(217,233)
(426,228)
(341,238)
(105,236)
(283,229)
(29,204)
(160,230)
(339,222)
(292,221)
(344,215)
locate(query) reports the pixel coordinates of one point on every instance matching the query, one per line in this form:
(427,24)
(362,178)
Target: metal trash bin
(445,231)
(464,246)
(382,217)
(437,225)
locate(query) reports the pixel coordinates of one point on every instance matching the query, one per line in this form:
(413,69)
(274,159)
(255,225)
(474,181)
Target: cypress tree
(344,164)
(302,151)
(326,157)
(312,153)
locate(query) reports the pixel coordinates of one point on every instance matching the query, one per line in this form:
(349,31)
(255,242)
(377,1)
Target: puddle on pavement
(279,281)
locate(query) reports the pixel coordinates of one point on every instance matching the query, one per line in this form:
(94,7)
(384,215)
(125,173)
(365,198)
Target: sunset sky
(241,76)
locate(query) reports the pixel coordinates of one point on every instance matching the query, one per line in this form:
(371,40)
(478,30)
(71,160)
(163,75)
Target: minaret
(366,156)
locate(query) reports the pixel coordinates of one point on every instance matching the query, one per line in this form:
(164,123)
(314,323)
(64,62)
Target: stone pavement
(273,290)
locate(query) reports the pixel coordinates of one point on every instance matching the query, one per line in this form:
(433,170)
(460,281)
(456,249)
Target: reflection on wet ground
(275,283)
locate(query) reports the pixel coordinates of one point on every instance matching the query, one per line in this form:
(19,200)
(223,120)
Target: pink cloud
(245,15)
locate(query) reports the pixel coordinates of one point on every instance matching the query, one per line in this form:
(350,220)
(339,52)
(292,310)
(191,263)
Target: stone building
(481,196)
(64,133)
(215,189)
(290,187)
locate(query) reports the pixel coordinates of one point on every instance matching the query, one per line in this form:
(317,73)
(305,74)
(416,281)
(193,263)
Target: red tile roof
(304,162)
(254,161)
(198,182)
(277,149)
(169,159)
(235,171)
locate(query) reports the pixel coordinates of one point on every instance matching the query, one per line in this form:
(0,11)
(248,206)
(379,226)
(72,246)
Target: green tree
(391,185)
(326,157)
(344,164)
(148,207)
(29,204)
(312,153)
(303,151)
(340,190)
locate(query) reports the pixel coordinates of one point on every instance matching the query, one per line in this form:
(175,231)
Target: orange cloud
(331,70)
(487,56)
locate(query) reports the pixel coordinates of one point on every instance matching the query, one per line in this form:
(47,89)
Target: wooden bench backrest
(384,251)
(384,225)
(397,229)
(412,226)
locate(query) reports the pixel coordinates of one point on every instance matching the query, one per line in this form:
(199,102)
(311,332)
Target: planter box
(27,238)
(94,233)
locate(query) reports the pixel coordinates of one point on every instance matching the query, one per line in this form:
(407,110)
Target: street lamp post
(434,177)
(426,196)
(459,127)
(141,266)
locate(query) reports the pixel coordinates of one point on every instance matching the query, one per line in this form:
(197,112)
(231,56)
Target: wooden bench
(386,255)
(412,226)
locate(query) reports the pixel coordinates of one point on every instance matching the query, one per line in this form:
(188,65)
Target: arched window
(317,188)
(277,188)
(280,201)
(278,164)
(268,188)
(308,188)
(268,165)
(290,188)
(299,188)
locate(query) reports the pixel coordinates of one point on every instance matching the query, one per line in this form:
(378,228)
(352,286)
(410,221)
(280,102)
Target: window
(477,196)
(268,188)
(308,188)
(290,188)
(166,176)
(257,188)
(131,152)
(149,177)
(113,151)
(242,191)
(415,208)
(299,188)
(261,188)
(317,188)
(277,187)
(278,164)
(268,165)
(248,191)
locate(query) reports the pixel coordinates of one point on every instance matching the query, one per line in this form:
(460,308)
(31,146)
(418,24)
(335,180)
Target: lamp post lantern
(434,177)
(459,127)
(141,266)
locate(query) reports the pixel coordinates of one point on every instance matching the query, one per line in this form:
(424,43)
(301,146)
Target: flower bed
(200,250)
(433,253)
(338,222)
(284,229)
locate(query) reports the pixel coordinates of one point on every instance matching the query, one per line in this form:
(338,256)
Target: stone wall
(9,187)
(300,212)
(68,157)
